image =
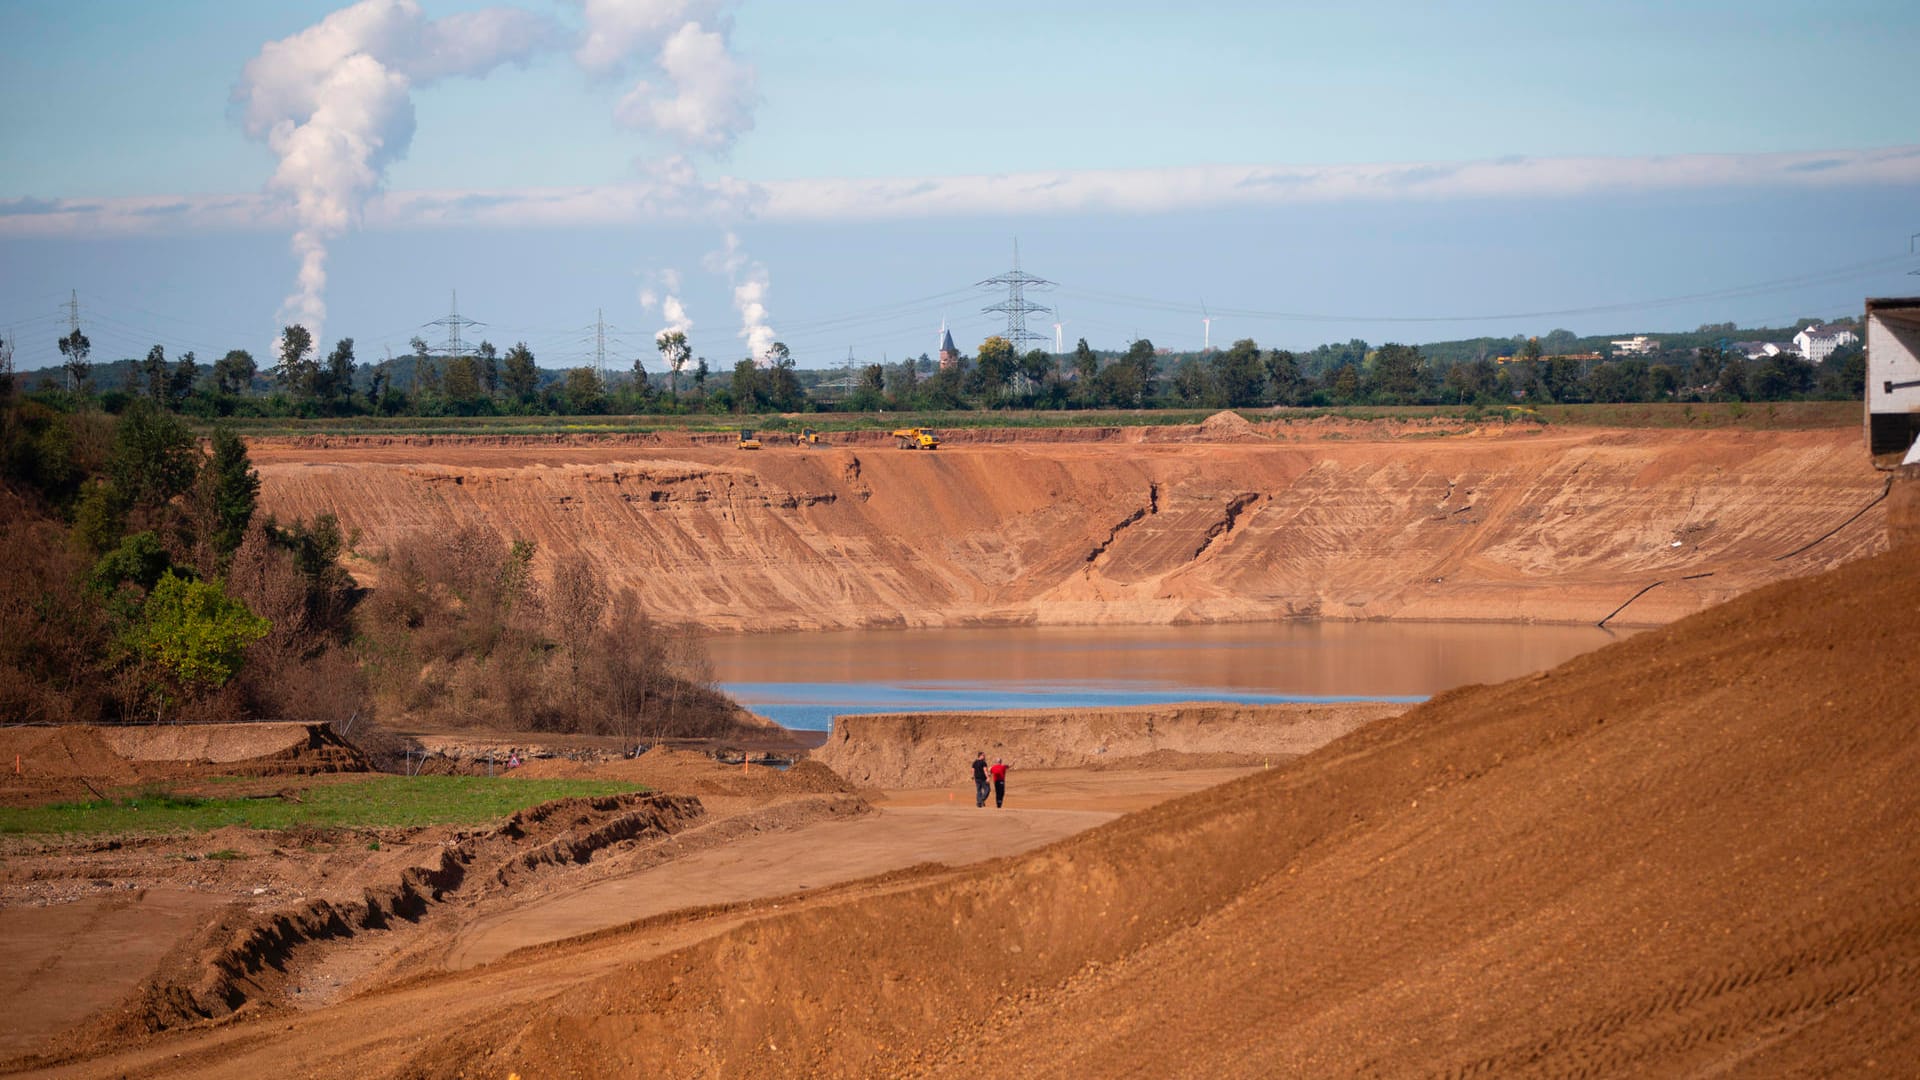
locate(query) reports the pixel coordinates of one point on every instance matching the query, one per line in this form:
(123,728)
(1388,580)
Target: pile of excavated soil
(85,761)
(1690,852)
(1229,426)
(282,749)
(1326,519)
(915,750)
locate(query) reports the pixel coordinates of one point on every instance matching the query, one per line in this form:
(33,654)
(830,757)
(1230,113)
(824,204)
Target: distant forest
(1558,368)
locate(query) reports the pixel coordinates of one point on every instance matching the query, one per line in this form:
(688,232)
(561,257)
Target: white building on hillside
(1637,345)
(1757,350)
(1818,341)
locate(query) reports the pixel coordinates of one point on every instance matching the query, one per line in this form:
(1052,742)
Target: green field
(377,802)
(1752,415)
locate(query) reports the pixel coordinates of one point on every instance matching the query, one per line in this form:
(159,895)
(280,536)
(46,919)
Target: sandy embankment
(931,750)
(1314,520)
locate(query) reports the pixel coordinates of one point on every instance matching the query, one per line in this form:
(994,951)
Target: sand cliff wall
(1558,524)
(909,750)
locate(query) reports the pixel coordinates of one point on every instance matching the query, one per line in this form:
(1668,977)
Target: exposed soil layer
(1689,852)
(1223,521)
(917,750)
(50,764)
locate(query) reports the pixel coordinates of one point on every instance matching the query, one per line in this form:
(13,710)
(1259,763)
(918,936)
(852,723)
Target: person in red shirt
(999,774)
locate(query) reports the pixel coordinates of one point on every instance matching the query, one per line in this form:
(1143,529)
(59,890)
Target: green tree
(154,367)
(869,394)
(1731,384)
(993,366)
(1779,378)
(1192,383)
(783,386)
(1284,379)
(74,350)
(334,383)
(1143,364)
(233,373)
(138,560)
(1395,379)
(180,385)
(521,376)
(297,368)
(195,632)
(154,456)
(1240,374)
(748,387)
(584,391)
(1086,363)
(1843,374)
(1346,384)
(488,359)
(462,382)
(1036,368)
(233,489)
(675,353)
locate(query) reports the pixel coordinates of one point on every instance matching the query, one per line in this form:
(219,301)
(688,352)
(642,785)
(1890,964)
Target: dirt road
(625,919)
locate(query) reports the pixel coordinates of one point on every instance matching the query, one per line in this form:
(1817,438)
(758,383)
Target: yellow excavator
(747,441)
(808,437)
(914,438)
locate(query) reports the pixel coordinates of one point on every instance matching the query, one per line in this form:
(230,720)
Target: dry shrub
(53,637)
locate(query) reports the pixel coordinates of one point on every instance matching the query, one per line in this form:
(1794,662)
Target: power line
(455,323)
(1016,306)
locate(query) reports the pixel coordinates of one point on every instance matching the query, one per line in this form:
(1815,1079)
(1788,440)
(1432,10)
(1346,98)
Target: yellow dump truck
(747,441)
(914,438)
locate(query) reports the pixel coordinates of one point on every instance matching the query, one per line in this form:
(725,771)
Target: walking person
(980,779)
(999,773)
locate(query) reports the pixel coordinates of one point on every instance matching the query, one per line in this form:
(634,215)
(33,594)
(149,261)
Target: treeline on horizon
(144,585)
(1560,368)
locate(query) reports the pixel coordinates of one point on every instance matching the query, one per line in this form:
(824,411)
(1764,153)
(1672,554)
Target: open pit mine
(1225,521)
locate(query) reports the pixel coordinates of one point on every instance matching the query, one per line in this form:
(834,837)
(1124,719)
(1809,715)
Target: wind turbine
(1206,328)
(1059,342)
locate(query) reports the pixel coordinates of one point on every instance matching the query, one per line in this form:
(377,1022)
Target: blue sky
(1492,168)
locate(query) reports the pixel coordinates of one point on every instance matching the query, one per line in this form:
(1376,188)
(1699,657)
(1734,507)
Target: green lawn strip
(378,802)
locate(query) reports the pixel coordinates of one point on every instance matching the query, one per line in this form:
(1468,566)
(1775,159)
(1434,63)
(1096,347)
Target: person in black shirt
(980,788)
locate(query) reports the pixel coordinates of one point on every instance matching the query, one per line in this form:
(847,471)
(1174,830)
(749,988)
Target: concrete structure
(1637,345)
(1819,340)
(1893,374)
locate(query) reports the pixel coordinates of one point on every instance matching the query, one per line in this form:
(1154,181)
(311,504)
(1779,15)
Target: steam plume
(334,103)
(750,284)
(670,306)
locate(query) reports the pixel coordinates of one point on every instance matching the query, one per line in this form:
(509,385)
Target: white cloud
(619,31)
(670,192)
(712,93)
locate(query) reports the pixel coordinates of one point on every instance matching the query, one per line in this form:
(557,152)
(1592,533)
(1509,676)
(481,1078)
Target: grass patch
(377,802)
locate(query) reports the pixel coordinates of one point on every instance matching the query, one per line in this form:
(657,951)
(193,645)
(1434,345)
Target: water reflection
(803,679)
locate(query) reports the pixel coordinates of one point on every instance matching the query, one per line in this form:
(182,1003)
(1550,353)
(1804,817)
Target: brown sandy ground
(1263,521)
(162,937)
(1690,852)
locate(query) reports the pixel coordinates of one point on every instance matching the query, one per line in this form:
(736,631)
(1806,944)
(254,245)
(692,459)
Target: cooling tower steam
(334,103)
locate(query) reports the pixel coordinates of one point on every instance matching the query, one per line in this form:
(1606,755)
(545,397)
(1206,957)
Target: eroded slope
(1688,852)
(1560,525)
